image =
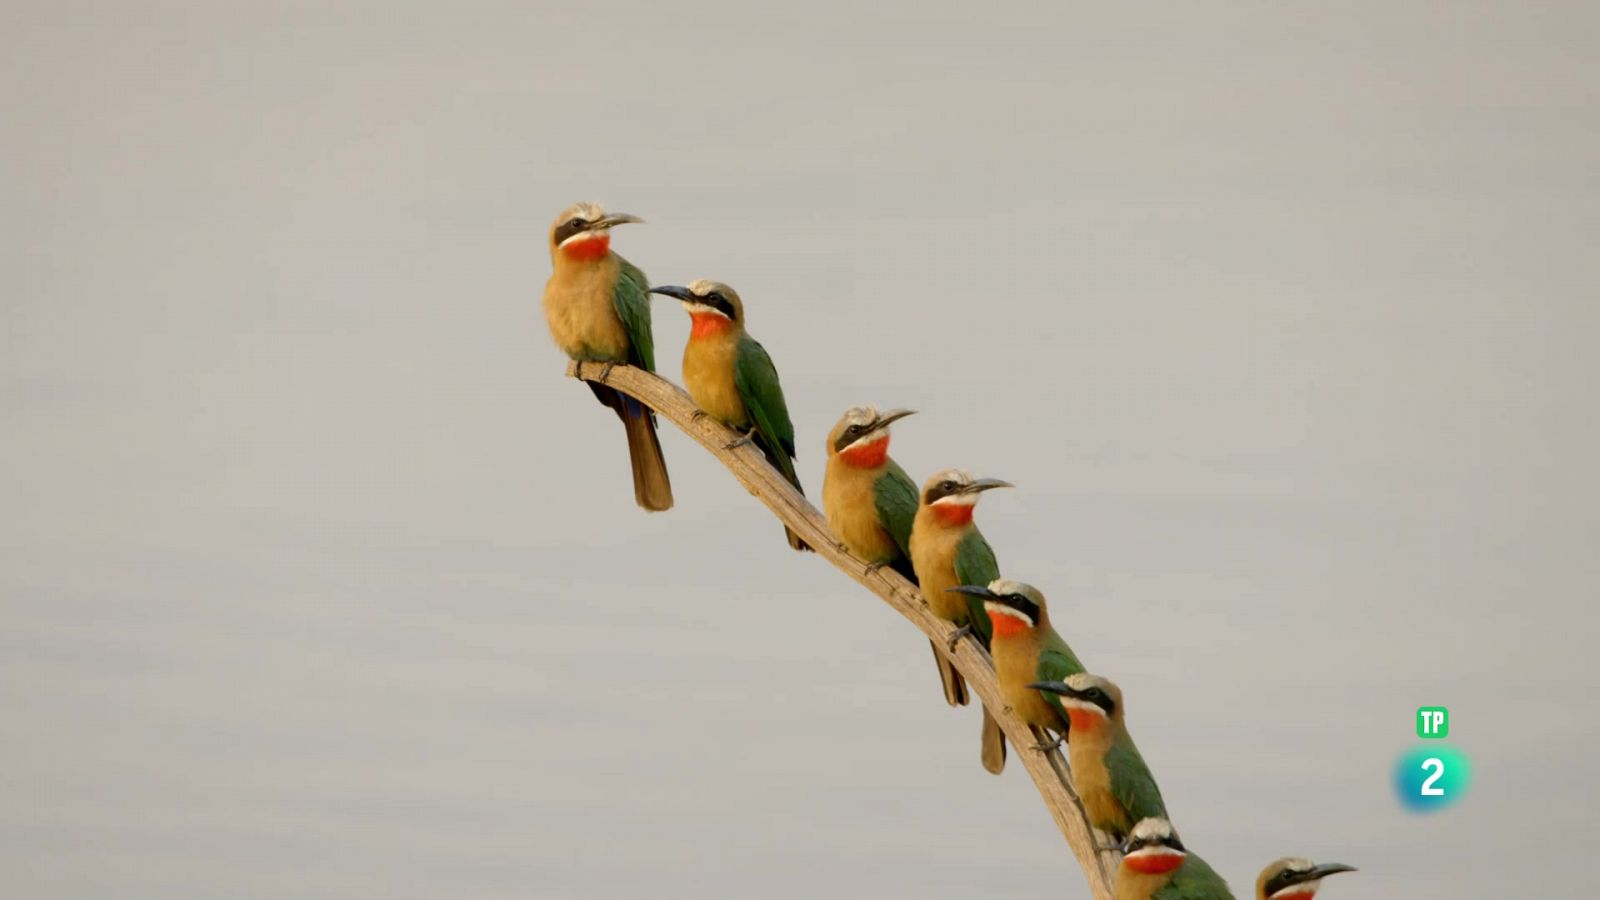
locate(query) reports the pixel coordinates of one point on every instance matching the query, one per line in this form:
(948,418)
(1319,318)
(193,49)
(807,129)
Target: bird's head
(713,307)
(583,232)
(1152,848)
(1090,701)
(861,437)
(1293,878)
(951,495)
(1014,608)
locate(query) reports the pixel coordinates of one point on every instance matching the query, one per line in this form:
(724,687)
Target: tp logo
(1429,778)
(1433,722)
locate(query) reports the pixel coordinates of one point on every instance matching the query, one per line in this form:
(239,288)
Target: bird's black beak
(976,590)
(1327,869)
(610,219)
(678,293)
(1056,687)
(885,419)
(985,484)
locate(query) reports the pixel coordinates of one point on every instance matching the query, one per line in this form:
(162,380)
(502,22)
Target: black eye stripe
(718,302)
(570,227)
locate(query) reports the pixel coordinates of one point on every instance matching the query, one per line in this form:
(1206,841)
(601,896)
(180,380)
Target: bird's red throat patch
(590,247)
(953,513)
(867,456)
(1006,626)
(704,325)
(1153,863)
(1082,720)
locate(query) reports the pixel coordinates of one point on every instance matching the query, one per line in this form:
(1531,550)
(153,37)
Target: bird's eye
(853,429)
(948,486)
(577,223)
(1017,597)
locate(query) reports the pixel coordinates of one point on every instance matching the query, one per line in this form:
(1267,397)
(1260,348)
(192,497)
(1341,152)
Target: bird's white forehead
(1296,863)
(704,286)
(860,415)
(588,211)
(1151,829)
(959,476)
(1007,586)
(1082,681)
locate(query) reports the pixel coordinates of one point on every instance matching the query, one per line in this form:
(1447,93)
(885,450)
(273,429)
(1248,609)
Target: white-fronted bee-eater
(1156,866)
(869,500)
(598,310)
(731,378)
(948,550)
(1110,776)
(1292,878)
(1026,649)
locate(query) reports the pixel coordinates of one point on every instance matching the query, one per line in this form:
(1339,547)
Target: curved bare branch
(1049,770)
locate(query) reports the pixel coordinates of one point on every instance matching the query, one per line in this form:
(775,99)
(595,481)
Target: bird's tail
(955,687)
(652,489)
(785,466)
(994,744)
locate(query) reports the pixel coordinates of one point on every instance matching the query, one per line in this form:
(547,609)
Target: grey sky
(318,580)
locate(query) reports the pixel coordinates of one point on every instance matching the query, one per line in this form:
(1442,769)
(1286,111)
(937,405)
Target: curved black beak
(885,419)
(610,219)
(675,292)
(1056,687)
(974,590)
(985,484)
(1327,869)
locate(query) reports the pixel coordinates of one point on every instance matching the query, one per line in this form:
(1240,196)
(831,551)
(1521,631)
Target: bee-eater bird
(731,378)
(1156,866)
(596,305)
(869,500)
(1026,649)
(1108,773)
(948,550)
(1295,879)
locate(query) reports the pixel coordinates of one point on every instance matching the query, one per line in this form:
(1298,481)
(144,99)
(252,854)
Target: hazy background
(319,580)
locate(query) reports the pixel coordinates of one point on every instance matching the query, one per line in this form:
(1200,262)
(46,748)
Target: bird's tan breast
(580,307)
(708,374)
(1092,780)
(933,556)
(1132,885)
(850,501)
(1016,665)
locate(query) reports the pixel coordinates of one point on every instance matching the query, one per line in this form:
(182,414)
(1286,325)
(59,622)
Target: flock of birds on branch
(598,308)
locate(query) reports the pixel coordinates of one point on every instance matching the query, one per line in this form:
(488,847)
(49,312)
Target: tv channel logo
(1431,777)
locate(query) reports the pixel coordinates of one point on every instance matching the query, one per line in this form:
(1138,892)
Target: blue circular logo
(1429,778)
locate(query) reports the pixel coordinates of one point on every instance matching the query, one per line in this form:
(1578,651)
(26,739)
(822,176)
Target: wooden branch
(1049,770)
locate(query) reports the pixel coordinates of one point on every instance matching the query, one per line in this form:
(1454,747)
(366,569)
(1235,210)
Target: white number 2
(1437,765)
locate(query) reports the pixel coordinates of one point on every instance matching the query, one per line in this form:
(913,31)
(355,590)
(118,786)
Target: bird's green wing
(975,564)
(896,498)
(632,300)
(757,381)
(1194,880)
(1131,782)
(1056,659)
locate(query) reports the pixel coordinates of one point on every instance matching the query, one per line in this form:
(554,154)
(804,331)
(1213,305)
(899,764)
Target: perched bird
(1155,866)
(1110,776)
(596,305)
(948,550)
(1295,879)
(1025,650)
(731,378)
(869,500)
